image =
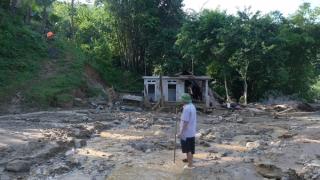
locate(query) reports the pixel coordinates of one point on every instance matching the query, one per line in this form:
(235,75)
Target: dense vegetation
(248,55)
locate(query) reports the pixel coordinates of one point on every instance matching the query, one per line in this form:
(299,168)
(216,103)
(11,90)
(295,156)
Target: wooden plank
(111,95)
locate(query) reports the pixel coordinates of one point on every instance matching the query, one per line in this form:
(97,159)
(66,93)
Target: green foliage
(267,51)
(241,100)
(64,96)
(94,92)
(125,40)
(20,53)
(274,94)
(316,88)
(69,76)
(144,33)
(18,42)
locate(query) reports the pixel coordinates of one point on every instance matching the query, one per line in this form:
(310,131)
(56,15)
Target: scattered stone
(78,143)
(18,166)
(248,159)
(212,150)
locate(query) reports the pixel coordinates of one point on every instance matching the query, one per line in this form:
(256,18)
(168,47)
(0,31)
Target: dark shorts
(188,145)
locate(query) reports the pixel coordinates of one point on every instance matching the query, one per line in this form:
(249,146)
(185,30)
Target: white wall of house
(173,87)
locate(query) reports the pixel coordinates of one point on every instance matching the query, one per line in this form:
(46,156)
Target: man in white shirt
(187,133)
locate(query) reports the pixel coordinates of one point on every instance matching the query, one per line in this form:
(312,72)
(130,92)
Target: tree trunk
(7,4)
(44,19)
(225,85)
(245,89)
(27,15)
(72,22)
(13,7)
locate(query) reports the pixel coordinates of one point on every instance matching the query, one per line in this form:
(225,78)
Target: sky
(286,7)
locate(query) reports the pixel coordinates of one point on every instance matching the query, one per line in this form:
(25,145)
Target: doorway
(152,92)
(172,89)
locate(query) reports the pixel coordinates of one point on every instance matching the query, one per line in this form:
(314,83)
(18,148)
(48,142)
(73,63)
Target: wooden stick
(175,139)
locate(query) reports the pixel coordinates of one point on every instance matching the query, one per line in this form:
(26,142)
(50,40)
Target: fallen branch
(285,110)
(156,106)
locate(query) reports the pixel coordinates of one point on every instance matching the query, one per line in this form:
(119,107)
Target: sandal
(187,167)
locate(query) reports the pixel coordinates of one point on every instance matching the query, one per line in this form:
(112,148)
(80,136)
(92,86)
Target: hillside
(39,94)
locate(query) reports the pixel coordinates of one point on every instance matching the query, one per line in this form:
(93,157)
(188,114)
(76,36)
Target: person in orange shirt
(49,34)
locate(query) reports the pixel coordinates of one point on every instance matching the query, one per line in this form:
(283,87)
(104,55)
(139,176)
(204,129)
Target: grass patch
(69,76)
(14,74)
(94,92)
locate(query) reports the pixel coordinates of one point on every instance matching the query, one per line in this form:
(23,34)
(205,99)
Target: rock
(216,168)
(143,146)
(305,107)
(80,143)
(77,160)
(71,152)
(59,168)
(160,121)
(150,122)
(217,135)
(206,144)
(159,133)
(212,150)
(218,141)
(202,131)
(226,153)
(240,120)
(306,157)
(95,135)
(248,159)
(210,137)
(255,144)
(268,170)
(211,121)
(18,166)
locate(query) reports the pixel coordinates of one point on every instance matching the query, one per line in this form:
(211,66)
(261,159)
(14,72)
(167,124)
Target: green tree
(44,4)
(250,45)
(301,31)
(144,33)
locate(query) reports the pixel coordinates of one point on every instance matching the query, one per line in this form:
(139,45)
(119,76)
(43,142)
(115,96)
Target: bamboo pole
(175,139)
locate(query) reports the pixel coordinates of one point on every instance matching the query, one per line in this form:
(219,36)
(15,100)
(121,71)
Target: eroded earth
(102,143)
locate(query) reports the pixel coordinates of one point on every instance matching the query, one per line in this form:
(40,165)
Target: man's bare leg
(190,157)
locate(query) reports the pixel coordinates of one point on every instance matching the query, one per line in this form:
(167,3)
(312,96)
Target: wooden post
(175,138)
(206,93)
(161,91)
(146,97)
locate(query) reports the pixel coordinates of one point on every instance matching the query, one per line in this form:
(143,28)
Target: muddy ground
(247,142)
(91,141)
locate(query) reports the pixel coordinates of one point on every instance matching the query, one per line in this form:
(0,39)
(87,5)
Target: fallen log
(156,106)
(285,110)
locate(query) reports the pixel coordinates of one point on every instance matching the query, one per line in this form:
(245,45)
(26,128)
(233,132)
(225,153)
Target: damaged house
(171,87)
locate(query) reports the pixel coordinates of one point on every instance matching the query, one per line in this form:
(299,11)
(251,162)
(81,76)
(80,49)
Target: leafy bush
(277,94)
(94,92)
(64,96)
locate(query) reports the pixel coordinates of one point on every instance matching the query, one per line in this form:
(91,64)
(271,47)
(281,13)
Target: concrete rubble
(257,141)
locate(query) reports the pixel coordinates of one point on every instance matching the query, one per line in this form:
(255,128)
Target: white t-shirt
(189,114)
